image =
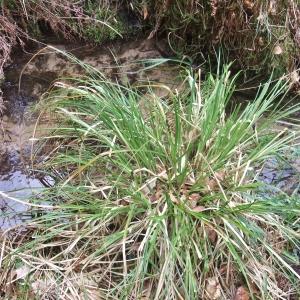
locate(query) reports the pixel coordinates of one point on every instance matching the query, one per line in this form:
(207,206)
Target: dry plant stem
(5,195)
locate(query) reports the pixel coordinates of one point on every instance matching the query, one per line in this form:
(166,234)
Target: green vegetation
(155,197)
(94,21)
(258,35)
(158,197)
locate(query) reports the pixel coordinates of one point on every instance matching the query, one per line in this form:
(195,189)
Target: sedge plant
(155,197)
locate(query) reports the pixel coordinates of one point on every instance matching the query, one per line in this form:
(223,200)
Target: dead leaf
(91,294)
(261,42)
(214,7)
(22,272)
(199,208)
(220,175)
(213,288)
(194,197)
(89,288)
(192,204)
(225,268)
(145,12)
(193,200)
(248,5)
(294,77)
(232,204)
(272,9)
(153,198)
(124,201)
(149,186)
(277,50)
(241,294)
(156,196)
(212,235)
(42,286)
(173,198)
(212,183)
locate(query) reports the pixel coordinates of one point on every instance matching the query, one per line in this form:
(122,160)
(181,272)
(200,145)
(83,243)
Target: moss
(109,23)
(11,5)
(100,32)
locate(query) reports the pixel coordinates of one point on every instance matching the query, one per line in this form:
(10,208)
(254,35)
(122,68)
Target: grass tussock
(155,198)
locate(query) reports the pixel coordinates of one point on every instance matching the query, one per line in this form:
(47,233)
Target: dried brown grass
(259,35)
(21,20)
(8,37)
(250,32)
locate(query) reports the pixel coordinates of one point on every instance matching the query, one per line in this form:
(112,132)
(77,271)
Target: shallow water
(16,179)
(20,186)
(16,129)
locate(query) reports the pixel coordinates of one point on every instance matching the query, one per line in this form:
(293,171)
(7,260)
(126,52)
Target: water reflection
(20,186)
(16,180)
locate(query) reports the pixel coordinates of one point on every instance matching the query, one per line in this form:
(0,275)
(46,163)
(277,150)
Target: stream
(16,178)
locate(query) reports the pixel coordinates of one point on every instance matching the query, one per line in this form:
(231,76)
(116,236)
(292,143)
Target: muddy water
(16,178)
(26,80)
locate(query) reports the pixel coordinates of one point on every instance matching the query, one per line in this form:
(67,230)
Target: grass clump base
(155,197)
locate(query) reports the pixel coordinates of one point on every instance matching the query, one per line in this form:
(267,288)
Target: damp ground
(28,78)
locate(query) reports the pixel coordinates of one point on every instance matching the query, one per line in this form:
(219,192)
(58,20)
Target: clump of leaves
(155,197)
